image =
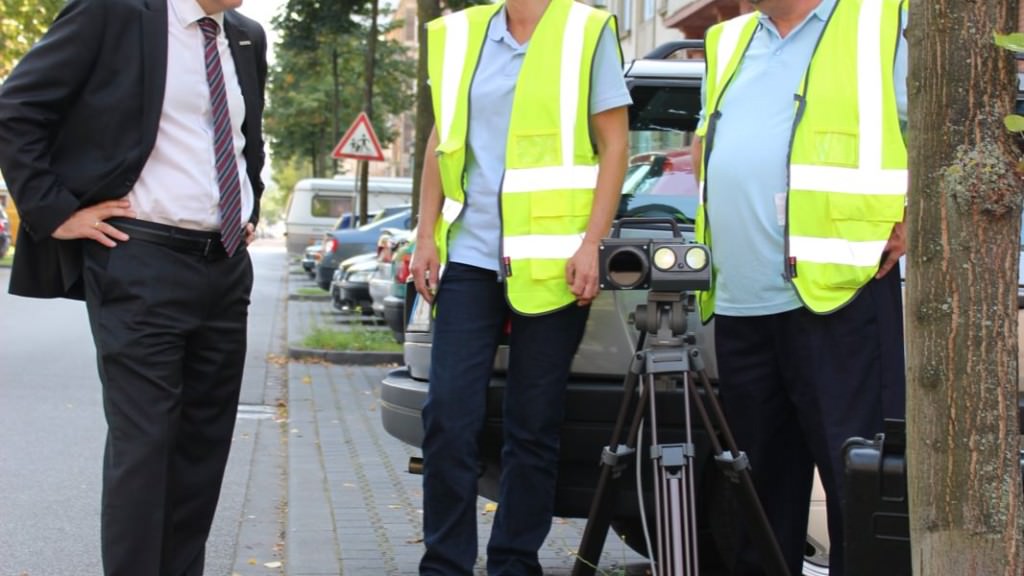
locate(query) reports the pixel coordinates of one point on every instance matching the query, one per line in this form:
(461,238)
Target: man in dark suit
(130,138)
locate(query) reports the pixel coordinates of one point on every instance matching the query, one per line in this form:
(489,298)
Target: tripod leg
(738,469)
(600,515)
(675,499)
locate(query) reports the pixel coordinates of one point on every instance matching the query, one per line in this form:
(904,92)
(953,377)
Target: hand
(581,274)
(425,269)
(894,249)
(250,233)
(90,222)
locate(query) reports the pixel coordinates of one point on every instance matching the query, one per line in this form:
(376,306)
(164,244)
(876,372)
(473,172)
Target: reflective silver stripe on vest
(869,84)
(847,180)
(455,45)
(729,40)
(549,178)
(450,210)
(538,246)
(569,77)
(836,251)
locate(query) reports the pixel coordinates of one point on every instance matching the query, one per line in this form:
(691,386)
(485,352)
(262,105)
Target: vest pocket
(535,148)
(559,211)
(836,148)
(866,207)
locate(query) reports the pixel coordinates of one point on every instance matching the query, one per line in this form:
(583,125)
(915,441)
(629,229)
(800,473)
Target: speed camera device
(669,264)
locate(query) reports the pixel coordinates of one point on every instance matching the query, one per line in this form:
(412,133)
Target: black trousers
(170,334)
(794,387)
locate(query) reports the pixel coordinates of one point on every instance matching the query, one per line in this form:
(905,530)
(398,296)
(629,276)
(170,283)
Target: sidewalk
(353,509)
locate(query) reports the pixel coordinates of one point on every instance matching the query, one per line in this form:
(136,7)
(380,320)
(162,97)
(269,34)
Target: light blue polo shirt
(746,174)
(477,235)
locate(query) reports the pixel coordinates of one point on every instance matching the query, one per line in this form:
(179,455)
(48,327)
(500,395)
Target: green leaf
(1014,123)
(1013,42)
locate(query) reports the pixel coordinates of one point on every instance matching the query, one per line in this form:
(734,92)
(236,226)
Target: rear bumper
(591,411)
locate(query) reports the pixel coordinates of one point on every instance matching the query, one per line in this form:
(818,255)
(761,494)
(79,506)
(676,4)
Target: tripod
(672,352)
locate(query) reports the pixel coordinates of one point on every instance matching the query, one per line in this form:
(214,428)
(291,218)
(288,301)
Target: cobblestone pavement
(353,509)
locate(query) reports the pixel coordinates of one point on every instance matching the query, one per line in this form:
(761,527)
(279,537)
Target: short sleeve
(607,83)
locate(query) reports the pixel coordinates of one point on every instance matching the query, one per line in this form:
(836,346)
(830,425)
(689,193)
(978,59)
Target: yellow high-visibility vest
(848,160)
(550,160)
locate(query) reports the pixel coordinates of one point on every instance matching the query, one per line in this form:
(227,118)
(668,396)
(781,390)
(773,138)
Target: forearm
(611,130)
(431,194)
(697,157)
(34,100)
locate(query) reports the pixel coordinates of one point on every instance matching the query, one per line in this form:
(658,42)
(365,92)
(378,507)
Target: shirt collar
(187,12)
(498,30)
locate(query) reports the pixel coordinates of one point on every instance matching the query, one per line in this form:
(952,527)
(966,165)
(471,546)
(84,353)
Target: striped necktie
(223,143)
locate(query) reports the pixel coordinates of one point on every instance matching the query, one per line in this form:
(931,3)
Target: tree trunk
(426,10)
(964,223)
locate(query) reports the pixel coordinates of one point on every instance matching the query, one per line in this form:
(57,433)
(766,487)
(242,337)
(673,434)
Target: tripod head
(664,317)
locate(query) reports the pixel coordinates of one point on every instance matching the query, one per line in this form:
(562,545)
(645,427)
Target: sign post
(360,143)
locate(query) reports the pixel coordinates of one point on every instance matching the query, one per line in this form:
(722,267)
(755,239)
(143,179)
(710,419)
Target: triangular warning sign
(359,142)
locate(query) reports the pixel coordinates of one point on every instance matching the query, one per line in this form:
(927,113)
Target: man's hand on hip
(90,222)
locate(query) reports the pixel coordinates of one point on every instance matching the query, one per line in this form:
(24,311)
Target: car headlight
(360,276)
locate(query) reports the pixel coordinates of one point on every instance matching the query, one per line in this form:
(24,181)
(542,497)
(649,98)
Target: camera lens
(627,267)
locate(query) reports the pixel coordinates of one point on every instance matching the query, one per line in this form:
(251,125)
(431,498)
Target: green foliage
(22,22)
(317,40)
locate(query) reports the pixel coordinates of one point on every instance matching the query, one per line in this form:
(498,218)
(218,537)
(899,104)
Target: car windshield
(659,179)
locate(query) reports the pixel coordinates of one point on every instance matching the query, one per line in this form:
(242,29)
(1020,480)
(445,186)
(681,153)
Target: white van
(317,203)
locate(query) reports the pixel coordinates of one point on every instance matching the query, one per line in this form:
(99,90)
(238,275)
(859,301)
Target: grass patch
(357,339)
(311,291)
(8,258)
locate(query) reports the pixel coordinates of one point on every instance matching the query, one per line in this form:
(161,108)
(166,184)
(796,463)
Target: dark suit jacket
(79,117)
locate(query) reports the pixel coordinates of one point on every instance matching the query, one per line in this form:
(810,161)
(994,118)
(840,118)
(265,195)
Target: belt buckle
(207,243)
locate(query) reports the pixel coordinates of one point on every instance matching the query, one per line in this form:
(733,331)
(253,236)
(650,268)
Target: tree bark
(963,213)
(426,10)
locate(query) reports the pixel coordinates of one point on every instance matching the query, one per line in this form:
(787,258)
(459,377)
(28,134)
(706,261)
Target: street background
(314,484)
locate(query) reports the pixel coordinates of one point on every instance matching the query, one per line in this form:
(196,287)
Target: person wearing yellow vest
(520,182)
(804,178)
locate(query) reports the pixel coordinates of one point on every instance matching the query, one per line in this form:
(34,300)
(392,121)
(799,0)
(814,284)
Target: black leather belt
(198,242)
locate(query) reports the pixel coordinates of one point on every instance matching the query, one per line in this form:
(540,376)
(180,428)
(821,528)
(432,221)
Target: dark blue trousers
(471,316)
(794,387)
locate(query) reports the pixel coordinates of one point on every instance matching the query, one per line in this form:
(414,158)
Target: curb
(345,356)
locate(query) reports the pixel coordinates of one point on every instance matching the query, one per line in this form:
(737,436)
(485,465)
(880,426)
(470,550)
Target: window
(659,180)
(329,206)
(625,16)
(649,7)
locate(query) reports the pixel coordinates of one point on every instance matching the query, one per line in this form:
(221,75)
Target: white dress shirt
(178,184)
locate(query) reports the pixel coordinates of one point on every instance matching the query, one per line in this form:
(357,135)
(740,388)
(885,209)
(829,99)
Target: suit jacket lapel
(243,53)
(154,68)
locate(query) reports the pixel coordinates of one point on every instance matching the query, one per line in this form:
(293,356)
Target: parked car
(380,284)
(662,118)
(5,233)
(310,258)
(395,303)
(350,287)
(341,244)
(337,296)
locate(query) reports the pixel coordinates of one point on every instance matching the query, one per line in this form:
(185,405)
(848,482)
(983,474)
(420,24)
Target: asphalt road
(52,431)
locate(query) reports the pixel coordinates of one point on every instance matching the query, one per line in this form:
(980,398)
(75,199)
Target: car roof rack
(667,49)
